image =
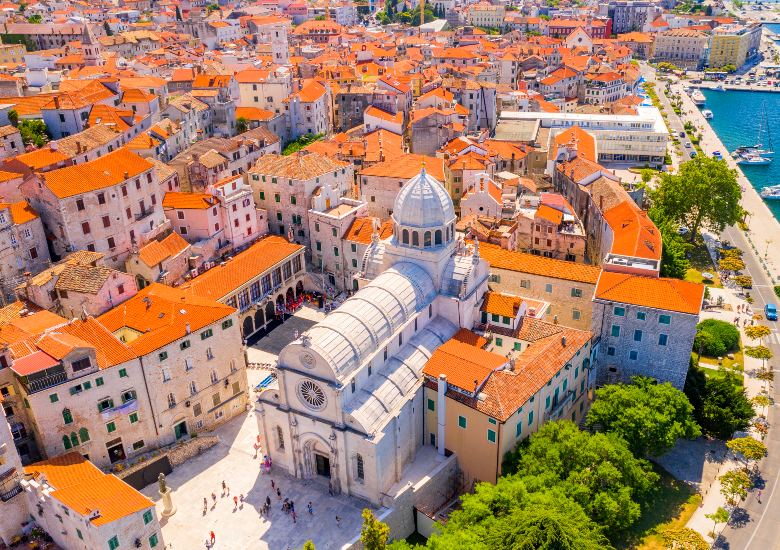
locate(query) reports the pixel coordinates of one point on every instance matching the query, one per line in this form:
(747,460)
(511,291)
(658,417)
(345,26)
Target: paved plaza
(232,460)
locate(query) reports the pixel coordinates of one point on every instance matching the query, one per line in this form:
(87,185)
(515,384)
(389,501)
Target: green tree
(107,27)
(33,132)
(720,404)
(506,516)
(731,264)
(308,545)
(734,485)
(374,533)
(762,400)
(757,332)
(715,338)
(721,515)
(13,117)
(750,450)
(242,125)
(651,417)
(674,261)
(598,471)
(743,281)
(683,538)
(703,194)
(35,19)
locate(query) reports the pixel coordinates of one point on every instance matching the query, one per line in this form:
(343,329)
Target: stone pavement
(232,460)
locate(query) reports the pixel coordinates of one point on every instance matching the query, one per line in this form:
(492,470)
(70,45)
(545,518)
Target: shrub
(777,291)
(716,338)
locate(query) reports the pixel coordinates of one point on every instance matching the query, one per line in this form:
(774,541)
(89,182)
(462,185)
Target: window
(147,517)
(576,293)
(431,405)
(663,339)
(318,245)
(215,399)
(153,540)
(641,315)
(462,422)
(525,283)
(206,334)
(122,373)
(665,319)
(279,438)
(166,374)
(53,398)
(227,324)
(615,331)
(499,342)
(79,204)
(548,288)
(106,221)
(163,355)
(67,417)
(262,195)
(491,435)
(99,381)
(637,336)
(133,417)
(111,243)
(360,468)
(530,418)
(576,314)
(547,402)
(75,390)
(277,197)
(80,364)
(105,404)
(171,401)
(494,317)
(184,345)
(78,533)
(611,351)
(111,427)
(139,445)
(506,320)
(619,311)
(633,355)
(128,396)
(113,543)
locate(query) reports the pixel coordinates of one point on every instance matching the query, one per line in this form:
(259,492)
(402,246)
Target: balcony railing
(124,408)
(40,384)
(9,484)
(144,214)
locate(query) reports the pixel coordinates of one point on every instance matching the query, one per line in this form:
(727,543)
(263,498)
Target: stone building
(22,244)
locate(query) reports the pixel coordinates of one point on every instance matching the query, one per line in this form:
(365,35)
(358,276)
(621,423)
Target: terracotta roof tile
(361,229)
(634,234)
(466,366)
(521,262)
(505,305)
(301,165)
(406,167)
(185,201)
(657,293)
(156,252)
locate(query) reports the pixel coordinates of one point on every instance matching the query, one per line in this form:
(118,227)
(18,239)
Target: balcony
(124,408)
(558,407)
(45,382)
(9,484)
(144,214)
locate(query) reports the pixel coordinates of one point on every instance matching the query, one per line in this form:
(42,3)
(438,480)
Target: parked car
(682,134)
(687,144)
(693,154)
(770,312)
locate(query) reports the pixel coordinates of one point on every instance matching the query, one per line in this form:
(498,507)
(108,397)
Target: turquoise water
(738,118)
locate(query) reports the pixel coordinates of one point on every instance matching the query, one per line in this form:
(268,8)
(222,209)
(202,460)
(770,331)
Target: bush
(777,291)
(715,338)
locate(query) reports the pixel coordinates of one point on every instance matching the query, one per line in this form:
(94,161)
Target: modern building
(733,44)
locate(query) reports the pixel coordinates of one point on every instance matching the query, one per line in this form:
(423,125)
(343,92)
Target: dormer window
(81,364)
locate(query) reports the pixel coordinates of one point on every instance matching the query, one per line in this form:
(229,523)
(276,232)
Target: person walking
(214,498)
(311,510)
(292,506)
(213,537)
(279,493)
(235,502)
(338,521)
(205,505)
(294,517)
(273,485)
(267,500)
(759,497)
(224,488)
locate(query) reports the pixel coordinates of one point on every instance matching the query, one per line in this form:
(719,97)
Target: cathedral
(349,407)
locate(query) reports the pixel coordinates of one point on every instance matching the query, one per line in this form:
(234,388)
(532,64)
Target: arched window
(214,377)
(415,238)
(171,401)
(84,435)
(74,439)
(361,473)
(67,416)
(427,239)
(405,236)
(66,442)
(279,438)
(193,387)
(437,237)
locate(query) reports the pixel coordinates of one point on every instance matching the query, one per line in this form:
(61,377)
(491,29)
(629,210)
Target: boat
(771,193)
(758,148)
(698,98)
(720,87)
(754,160)
(707,114)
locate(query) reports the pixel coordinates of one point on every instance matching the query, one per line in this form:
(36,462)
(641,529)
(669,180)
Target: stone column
(165,492)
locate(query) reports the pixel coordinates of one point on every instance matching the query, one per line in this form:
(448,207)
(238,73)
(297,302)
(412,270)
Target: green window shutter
(53,398)
(462,422)
(122,373)
(491,436)
(99,381)
(431,405)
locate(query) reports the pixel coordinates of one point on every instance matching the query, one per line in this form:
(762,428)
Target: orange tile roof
(219,281)
(22,212)
(634,232)
(521,262)
(583,142)
(106,171)
(301,165)
(466,366)
(164,317)
(384,115)
(657,293)
(81,486)
(156,252)
(406,167)
(471,338)
(184,201)
(361,229)
(109,350)
(498,303)
(42,158)
(254,113)
(550,214)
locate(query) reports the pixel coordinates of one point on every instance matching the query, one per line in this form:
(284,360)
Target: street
(757,528)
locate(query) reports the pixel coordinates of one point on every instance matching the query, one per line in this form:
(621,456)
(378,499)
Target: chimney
(187,328)
(441,412)
(563,341)
(56,102)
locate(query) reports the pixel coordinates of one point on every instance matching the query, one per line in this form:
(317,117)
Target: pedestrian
(294,517)
(205,504)
(224,488)
(279,493)
(273,485)
(214,498)
(292,506)
(213,537)
(241,496)
(267,500)
(338,521)
(759,497)
(311,510)
(330,488)
(235,502)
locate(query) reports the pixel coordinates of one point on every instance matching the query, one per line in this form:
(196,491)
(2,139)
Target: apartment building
(262,282)
(286,185)
(308,110)
(632,15)
(106,205)
(733,44)
(22,244)
(264,88)
(189,348)
(567,286)
(686,48)
(480,404)
(165,260)
(484,14)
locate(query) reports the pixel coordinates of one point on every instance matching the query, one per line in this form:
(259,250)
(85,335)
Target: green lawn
(672,506)
(701,263)
(712,373)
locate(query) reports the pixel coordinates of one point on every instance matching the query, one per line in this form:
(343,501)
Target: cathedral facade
(348,410)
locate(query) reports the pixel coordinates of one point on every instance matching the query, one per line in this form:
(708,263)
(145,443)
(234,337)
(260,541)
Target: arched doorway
(298,289)
(318,459)
(269,311)
(248,326)
(290,296)
(259,319)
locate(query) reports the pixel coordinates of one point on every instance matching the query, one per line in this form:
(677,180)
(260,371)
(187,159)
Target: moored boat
(698,98)
(771,193)
(754,160)
(706,113)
